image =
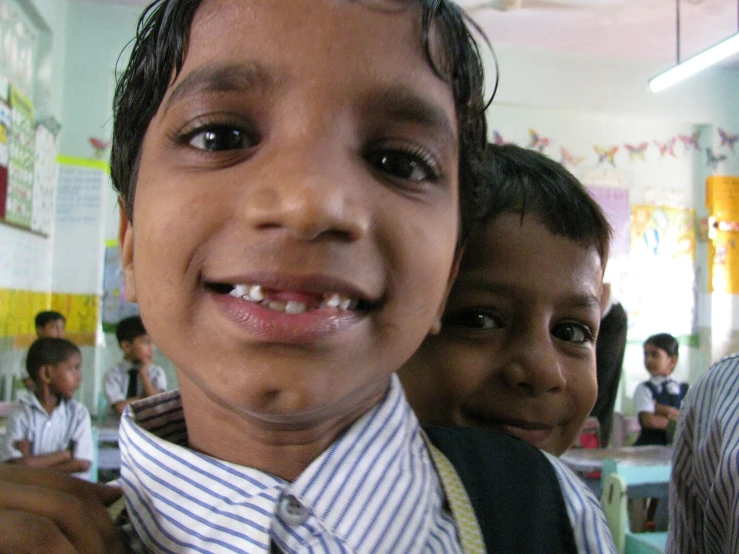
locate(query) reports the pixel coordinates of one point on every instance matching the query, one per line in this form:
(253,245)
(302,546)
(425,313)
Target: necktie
(133,382)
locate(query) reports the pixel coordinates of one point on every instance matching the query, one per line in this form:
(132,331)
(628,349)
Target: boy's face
(517,349)
(304,161)
(65,377)
(140,349)
(52,329)
(657,361)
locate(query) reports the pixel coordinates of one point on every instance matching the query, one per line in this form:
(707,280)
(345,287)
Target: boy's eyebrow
(403,103)
(223,78)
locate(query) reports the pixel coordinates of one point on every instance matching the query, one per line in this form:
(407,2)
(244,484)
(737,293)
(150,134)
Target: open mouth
(289,302)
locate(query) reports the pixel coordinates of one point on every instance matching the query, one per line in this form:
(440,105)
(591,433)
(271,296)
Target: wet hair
(48,351)
(160,47)
(129,328)
(527,182)
(664,341)
(42,318)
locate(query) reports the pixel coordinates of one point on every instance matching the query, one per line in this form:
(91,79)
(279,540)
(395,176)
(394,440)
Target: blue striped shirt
(589,524)
(704,489)
(373,490)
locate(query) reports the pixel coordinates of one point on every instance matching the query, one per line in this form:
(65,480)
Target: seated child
(49,428)
(291,215)
(657,401)
(135,377)
(516,350)
(48,324)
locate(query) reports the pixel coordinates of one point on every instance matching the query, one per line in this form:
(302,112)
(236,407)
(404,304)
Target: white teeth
(333,301)
(293,307)
(276,305)
(256,293)
(239,291)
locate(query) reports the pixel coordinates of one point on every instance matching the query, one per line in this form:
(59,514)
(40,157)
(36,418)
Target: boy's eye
(403,165)
(218,139)
(474,319)
(572,332)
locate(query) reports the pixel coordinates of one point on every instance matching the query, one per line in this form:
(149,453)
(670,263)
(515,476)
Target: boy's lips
(532,432)
(291,310)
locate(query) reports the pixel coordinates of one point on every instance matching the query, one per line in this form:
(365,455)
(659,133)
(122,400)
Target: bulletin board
(722,201)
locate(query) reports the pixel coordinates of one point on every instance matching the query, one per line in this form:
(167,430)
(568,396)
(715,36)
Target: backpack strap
(513,488)
(470,535)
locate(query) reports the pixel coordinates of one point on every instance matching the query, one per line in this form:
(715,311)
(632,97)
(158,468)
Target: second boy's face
(517,349)
(66,376)
(53,329)
(296,209)
(139,350)
(657,361)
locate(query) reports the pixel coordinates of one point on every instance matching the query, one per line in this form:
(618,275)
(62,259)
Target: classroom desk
(587,461)
(109,457)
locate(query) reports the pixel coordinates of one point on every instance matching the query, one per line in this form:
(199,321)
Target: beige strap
(468,528)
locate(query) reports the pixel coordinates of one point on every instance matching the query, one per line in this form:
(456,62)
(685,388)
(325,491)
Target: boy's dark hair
(160,47)
(664,341)
(526,181)
(48,351)
(42,318)
(129,328)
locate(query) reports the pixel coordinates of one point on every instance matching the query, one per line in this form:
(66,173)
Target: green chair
(614,500)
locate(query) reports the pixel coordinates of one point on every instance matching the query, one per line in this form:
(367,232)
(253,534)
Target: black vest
(659,436)
(513,489)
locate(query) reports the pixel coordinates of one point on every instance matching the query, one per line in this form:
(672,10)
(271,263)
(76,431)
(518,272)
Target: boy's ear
(44,373)
(125,241)
(436,325)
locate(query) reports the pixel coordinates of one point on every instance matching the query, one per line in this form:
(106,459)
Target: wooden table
(585,460)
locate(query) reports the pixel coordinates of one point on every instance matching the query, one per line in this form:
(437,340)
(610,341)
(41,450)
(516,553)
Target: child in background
(48,324)
(49,428)
(296,231)
(516,351)
(657,401)
(135,377)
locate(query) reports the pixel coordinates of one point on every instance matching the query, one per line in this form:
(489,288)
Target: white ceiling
(623,29)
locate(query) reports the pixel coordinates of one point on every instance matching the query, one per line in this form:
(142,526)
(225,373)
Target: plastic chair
(614,499)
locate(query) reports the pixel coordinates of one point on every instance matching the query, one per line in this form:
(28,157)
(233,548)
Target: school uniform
(664,390)
(704,489)
(381,487)
(48,433)
(118,378)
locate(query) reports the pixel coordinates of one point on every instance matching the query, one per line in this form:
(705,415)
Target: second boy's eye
(402,165)
(219,138)
(572,332)
(473,319)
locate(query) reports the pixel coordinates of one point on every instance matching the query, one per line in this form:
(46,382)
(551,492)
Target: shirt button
(292,511)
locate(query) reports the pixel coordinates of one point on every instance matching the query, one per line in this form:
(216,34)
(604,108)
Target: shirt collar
(347,489)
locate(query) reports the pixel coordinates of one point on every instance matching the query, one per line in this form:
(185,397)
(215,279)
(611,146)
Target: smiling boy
(295,181)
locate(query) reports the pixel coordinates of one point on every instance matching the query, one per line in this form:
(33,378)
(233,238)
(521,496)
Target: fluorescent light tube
(689,67)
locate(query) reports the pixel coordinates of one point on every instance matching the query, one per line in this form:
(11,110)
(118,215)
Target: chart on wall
(660,287)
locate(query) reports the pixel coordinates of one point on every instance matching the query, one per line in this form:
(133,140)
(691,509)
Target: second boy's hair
(664,341)
(161,45)
(48,351)
(129,329)
(526,181)
(42,318)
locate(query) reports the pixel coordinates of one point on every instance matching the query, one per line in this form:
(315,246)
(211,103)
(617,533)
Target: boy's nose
(535,369)
(309,202)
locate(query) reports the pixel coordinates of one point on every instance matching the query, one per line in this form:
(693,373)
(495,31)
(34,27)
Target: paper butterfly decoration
(637,152)
(498,138)
(536,142)
(569,159)
(690,141)
(100,146)
(727,139)
(666,147)
(606,154)
(712,159)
